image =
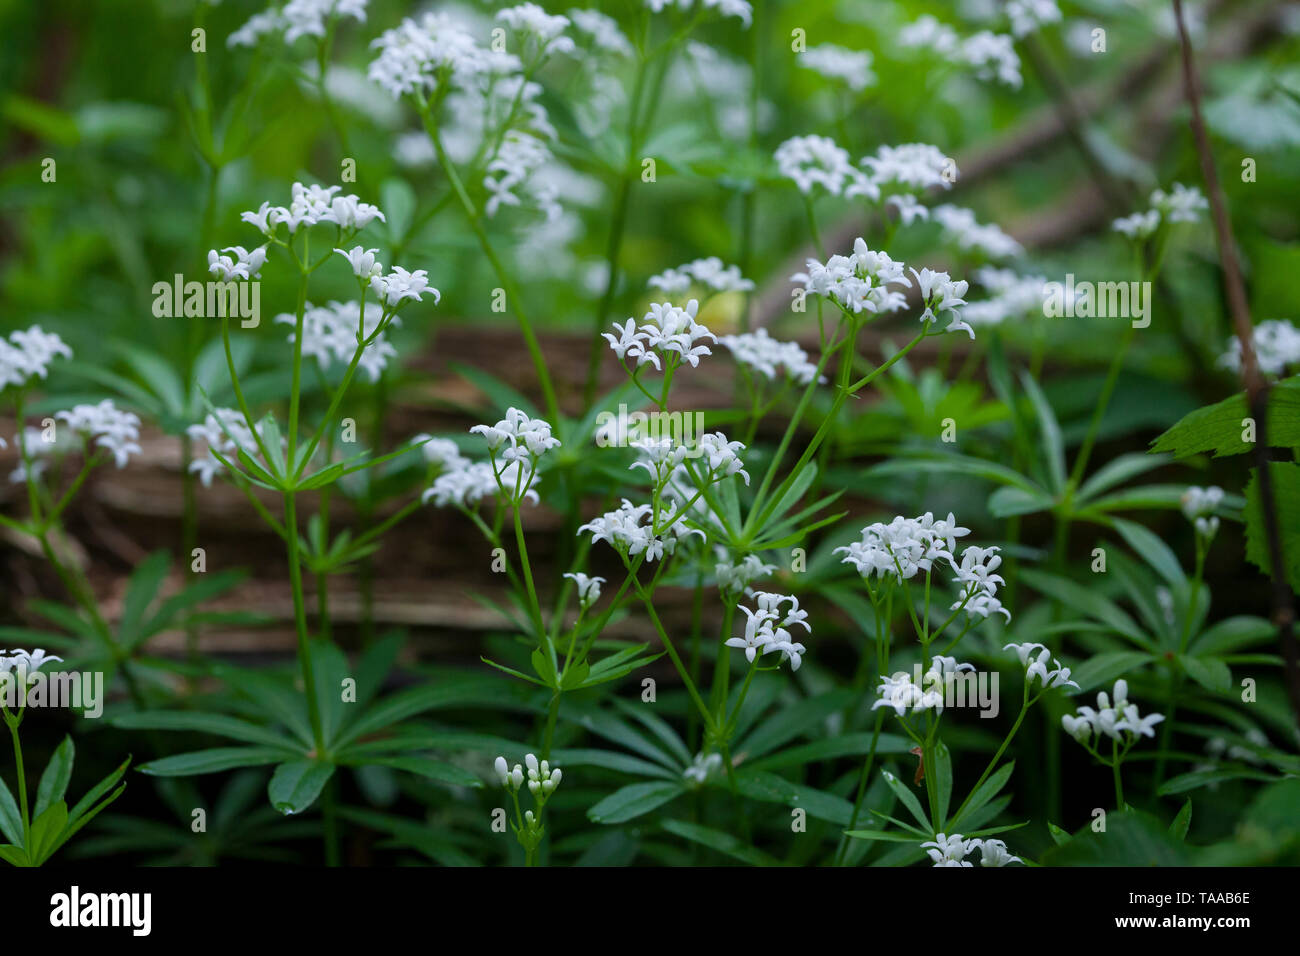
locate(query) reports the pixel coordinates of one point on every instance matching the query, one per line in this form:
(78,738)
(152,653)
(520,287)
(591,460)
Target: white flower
(1120,721)
(243,265)
(115,430)
(993,57)
(442,452)
(532,21)
(727,8)
(947,850)
(852,67)
(420,55)
(723,456)
(518,437)
(860,282)
(766,628)
(1139,225)
(770,358)
(1199,505)
(399,285)
(631,343)
(588,587)
(25,662)
(1180,204)
(701,767)
(1028,15)
(623,530)
(667,328)
(1276,343)
(961,227)
(994,853)
(330,334)
(710,272)
(1039,663)
(27,354)
(940,293)
(738,577)
(912,166)
(905,547)
(812,161)
(603,30)
(352,214)
(363,262)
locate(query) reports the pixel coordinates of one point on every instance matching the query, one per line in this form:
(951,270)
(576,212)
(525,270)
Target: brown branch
(1256,384)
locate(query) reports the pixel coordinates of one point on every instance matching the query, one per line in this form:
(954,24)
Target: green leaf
(818,804)
(1286,500)
(1178,829)
(97,791)
(46,829)
(986,791)
(1130,839)
(908,798)
(213,761)
(943,779)
(431,769)
(1152,549)
(141,590)
(1231,634)
(295,785)
(1104,668)
(1218,428)
(218,724)
(1050,431)
(1088,602)
(633,801)
(11,820)
(1117,471)
(1210,672)
(54,781)
(1006,502)
(724,843)
(14,855)
(1199,778)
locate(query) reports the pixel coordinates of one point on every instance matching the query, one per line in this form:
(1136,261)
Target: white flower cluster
(906,547)
(602,29)
(534,25)
(851,67)
(330,334)
(1114,721)
(516,445)
(668,332)
(588,587)
(435,51)
(1276,342)
(540,777)
(991,55)
(114,430)
(702,766)
(859,282)
(1038,663)
(228,433)
(912,166)
(726,8)
(1027,16)
(961,228)
(737,577)
(1012,296)
(952,850)
(27,354)
(242,265)
(769,357)
(34,445)
(818,161)
(766,628)
(511,175)
(623,530)
(1199,506)
(710,273)
(297,18)
(309,206)
(442,453)
(941,294)
(1180,204)
(903,693)
(24,662)
(393,288)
